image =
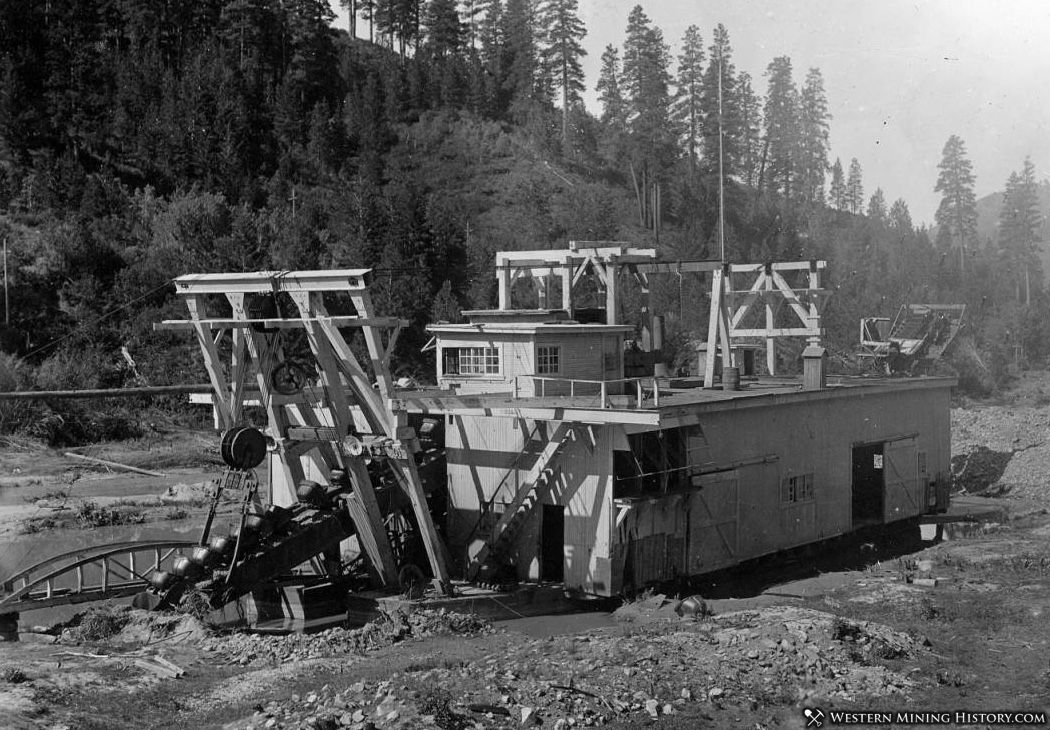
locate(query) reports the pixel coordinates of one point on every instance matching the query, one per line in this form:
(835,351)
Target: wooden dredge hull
(708,480)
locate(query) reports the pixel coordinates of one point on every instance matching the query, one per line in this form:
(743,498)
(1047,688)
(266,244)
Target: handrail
(640,387)
(82,557)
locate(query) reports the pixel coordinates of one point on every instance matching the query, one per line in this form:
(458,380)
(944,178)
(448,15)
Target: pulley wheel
(243,447)
(288,378)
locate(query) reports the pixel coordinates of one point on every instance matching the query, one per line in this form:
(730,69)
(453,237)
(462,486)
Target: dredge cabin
(561,469)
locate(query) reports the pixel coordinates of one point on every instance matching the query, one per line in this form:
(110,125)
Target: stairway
(534,488)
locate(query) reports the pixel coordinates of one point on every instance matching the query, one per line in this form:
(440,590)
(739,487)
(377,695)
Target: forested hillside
(142,139)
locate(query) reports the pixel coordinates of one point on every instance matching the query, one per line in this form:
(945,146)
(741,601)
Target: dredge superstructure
(536,458)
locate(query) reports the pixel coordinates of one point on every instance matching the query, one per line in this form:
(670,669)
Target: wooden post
(369,519)
(718,327)
(814,312)
(771,342)
(566,287)
(363,302)
(503,273)
(212,362)
(611,293)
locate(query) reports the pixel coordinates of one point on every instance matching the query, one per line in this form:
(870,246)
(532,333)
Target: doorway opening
(552,543)
(869,484)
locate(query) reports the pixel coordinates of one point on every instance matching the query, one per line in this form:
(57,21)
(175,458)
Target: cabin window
(548,360)
(470,361)
(796,488)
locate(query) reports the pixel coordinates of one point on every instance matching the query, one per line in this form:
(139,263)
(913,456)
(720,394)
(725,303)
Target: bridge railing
(89,574)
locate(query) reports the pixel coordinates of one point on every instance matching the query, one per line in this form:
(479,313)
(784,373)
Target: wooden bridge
(99,572)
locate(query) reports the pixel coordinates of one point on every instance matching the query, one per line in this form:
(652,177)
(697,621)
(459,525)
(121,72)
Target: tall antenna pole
(721,179)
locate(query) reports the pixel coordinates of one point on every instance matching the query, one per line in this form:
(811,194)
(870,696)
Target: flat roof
(565,327)
(677,405)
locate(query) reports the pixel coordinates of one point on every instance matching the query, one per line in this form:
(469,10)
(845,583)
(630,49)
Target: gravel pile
(629,673)
(245,649)
(1002,451)
(998,428)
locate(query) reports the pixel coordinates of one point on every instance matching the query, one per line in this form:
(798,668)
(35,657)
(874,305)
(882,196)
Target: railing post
(604,394)
(656,392)
(543,387)
(80,578)
(572,388)
(515,387)
(105,574)
(638,393)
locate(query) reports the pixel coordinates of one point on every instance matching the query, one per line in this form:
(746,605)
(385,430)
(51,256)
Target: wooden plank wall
(814,437)
(481,450)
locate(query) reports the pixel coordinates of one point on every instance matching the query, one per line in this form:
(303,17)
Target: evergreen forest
(143,139)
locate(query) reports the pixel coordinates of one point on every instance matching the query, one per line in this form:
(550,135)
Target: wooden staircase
(534,488)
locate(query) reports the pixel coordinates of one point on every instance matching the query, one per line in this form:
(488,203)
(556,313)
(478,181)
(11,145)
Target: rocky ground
(955,624)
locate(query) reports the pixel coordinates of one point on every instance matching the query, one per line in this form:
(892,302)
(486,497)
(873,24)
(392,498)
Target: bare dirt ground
(888,626)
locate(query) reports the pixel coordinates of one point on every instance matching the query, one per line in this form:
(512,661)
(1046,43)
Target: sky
(900,77)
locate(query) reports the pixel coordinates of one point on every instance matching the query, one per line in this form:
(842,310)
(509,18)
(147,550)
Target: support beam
(212,362)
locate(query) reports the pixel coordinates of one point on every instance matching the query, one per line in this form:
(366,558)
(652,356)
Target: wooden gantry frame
(609,261)
(310,429)
(769,289)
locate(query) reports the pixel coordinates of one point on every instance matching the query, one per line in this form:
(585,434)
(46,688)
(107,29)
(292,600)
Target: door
(869,486)
(904,494)
(713,518)
(552,543)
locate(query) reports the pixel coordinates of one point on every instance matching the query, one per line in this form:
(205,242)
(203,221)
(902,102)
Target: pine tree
(443,28)
(957,213)
(837,189)
(563,31)
(1020,222)
(877,206)
(854,187)
(367,10)
(725,125)
(781,130)
(814,125)
(351,10)
(519,62)
(900,216)
(688,108)
(614,112)
(491,40)
(470,12)
(646,81)
(750,129)
(399,19)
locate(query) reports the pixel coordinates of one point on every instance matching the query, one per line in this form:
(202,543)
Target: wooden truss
(733,300)
(315,427)
(609,261)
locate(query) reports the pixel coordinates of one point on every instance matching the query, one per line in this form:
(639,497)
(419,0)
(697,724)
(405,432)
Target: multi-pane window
(797,488)
(470,361)
(548,360)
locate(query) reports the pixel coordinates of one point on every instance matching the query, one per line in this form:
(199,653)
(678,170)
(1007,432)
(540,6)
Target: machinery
(344,466)
(919,335)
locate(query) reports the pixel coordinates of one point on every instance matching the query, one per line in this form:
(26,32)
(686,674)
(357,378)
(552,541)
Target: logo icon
(814,717)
